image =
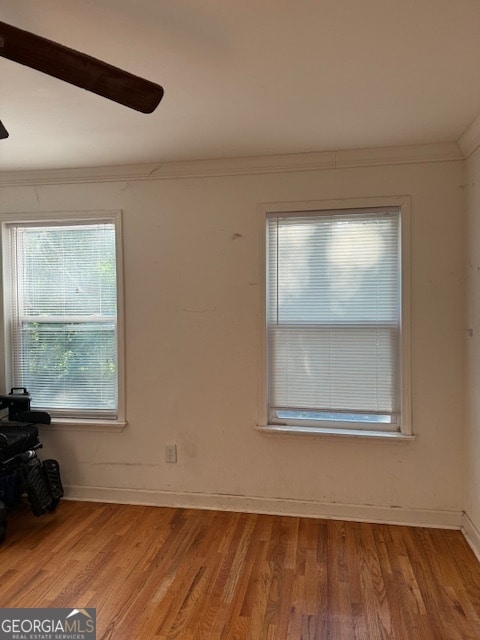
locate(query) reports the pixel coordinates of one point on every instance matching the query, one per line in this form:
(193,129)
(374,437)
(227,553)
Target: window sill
(68,424)
(275,429)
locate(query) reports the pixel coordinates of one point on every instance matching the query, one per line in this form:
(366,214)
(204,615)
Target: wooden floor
(191,575)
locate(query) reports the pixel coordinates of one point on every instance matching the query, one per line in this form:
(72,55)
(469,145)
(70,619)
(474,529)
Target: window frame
(96,420)
(305,427)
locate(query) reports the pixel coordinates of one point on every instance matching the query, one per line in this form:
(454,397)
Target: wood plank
(177,574)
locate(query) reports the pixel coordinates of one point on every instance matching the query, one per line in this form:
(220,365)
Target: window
(335,348)
(62,310)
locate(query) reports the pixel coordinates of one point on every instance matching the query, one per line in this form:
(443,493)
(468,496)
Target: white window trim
(96,424)
(406,431)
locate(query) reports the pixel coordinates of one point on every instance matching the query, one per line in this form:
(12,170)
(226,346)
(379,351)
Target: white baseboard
(471,533)
(436,518)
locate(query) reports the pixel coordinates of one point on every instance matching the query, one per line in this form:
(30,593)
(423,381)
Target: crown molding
(469,141)
(295,162)
(410,154)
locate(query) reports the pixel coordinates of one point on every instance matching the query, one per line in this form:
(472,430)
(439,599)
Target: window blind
(333,318)
(63,322)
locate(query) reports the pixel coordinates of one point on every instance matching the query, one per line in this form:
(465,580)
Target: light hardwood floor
(163,573)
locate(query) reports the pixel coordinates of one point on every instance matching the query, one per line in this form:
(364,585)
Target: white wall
(193,274)
(472,449)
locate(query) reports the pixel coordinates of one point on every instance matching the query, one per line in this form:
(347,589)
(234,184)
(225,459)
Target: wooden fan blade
(79,69)
(3,132)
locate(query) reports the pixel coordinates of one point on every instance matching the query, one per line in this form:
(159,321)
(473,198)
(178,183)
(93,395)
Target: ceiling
(244,78)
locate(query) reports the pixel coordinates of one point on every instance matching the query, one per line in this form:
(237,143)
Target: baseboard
(436,518)
(471,533)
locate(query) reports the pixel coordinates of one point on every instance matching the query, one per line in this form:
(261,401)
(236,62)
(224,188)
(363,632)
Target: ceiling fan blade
(79,69)
(3,132)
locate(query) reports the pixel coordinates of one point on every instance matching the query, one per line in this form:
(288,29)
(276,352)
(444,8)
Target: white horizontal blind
(64,316)
(333,318)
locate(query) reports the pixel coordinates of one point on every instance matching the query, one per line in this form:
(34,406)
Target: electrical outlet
(170,453)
